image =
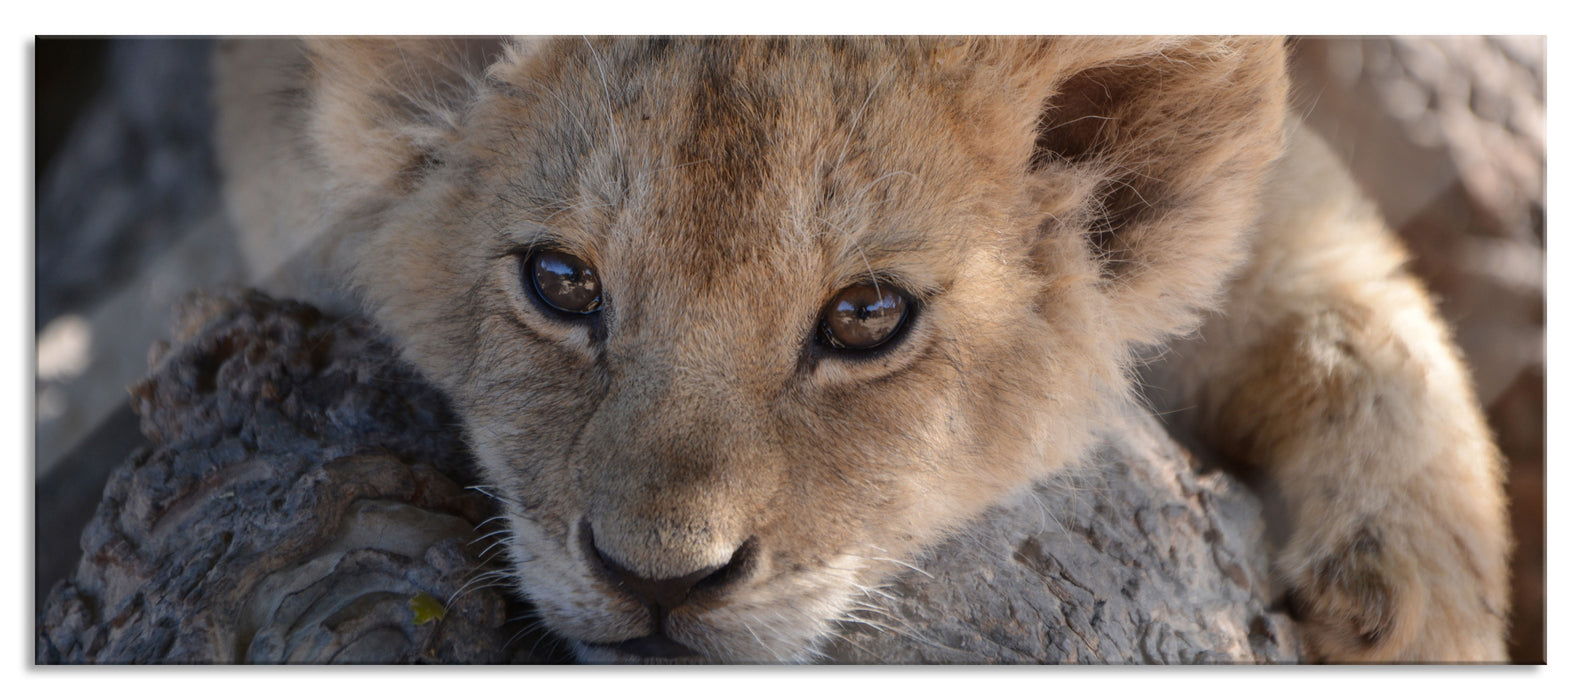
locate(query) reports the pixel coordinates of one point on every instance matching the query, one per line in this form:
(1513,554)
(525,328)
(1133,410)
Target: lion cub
(736,325)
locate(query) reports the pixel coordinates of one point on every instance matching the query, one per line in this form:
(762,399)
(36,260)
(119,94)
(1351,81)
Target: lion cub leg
(1331,375)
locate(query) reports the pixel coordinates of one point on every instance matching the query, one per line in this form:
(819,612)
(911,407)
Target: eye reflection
(863,317)
(563,281)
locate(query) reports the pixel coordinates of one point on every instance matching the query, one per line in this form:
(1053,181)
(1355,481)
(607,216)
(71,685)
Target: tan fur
(1056,205)
(1329,369)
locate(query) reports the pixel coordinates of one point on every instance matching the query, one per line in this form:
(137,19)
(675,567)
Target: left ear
(382,111)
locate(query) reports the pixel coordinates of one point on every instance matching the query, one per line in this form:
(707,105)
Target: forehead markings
(856,209)
(569,117)
(711,196)
(872,216)
(745,128)
(730,118)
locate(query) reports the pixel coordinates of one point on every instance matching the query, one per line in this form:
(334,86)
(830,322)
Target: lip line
(655,645)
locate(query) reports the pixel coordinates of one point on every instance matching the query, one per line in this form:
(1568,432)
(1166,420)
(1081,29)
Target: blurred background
(1446,133)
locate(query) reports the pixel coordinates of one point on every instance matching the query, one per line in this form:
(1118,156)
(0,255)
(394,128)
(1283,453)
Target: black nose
(666,594)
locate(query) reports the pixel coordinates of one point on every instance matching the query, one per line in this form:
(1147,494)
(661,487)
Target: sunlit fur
(1054,206)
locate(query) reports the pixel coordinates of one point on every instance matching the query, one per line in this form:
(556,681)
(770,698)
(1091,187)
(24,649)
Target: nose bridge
(705,342)
(674,475)
(666,382)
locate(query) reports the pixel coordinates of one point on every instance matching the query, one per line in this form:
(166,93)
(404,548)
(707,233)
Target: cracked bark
(1134,558)
(304,501)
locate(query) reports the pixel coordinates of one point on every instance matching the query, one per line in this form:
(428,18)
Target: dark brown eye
(863,317)
(563,282)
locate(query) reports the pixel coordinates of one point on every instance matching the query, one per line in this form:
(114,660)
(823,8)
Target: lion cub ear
(382,112)
(1157,148)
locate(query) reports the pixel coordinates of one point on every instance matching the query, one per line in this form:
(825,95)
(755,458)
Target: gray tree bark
(1135,557)
(304,501)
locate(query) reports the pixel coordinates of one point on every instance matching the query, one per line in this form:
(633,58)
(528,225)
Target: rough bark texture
(1136,558)
(304,503)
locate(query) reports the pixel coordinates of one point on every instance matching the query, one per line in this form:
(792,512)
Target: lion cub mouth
(653,646)
(705,588)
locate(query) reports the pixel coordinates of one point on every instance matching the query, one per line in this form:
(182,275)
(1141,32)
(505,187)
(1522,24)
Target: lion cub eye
(863,317)
(562,281)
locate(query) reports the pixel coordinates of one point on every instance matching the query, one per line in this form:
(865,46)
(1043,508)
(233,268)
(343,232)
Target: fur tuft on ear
(1168,142)
(382,111)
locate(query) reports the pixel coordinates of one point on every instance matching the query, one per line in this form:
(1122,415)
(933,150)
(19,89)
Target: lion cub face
(736,326)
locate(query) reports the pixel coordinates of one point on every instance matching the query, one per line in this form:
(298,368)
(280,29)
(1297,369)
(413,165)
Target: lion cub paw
(1371,594)
(1351,602)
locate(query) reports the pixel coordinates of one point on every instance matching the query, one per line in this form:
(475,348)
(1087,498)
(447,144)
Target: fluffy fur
(1054,205)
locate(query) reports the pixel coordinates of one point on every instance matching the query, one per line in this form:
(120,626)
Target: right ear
(382,113)
(1155,150)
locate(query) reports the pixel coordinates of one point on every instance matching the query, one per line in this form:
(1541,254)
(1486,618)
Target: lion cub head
(738,325)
